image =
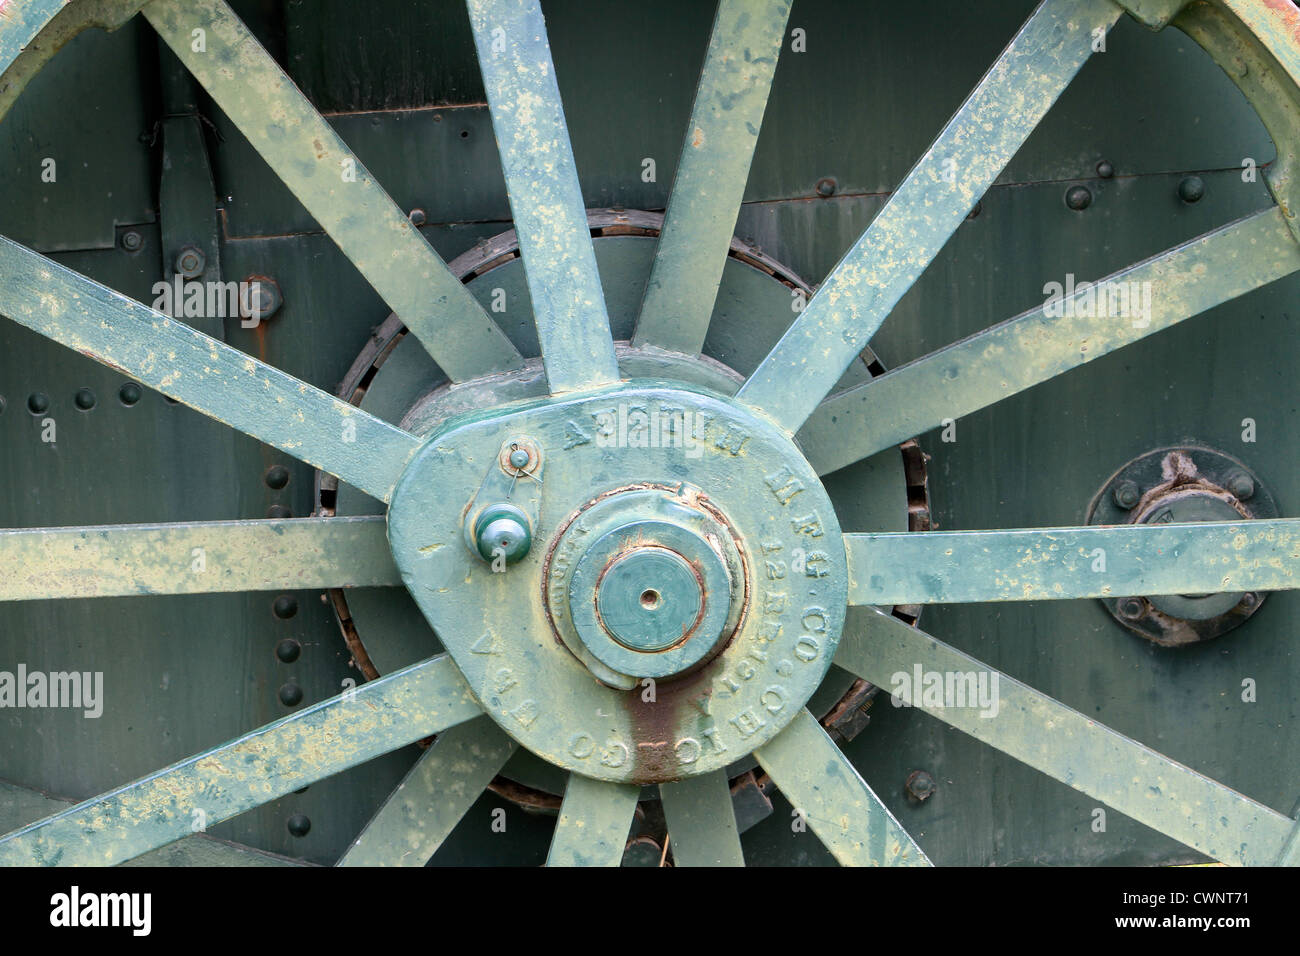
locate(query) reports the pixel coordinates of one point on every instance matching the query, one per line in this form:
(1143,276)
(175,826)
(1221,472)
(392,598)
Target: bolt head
(1126,494)
(1131,609)
(190,262)
(1078,198)
(418,217)
(1242,486)
(132,241)
(1191,189)
(826,187)
(920,785)
(502,529)
(519,458)
(1105,170)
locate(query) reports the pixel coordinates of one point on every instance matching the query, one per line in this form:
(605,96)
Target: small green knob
(502,529)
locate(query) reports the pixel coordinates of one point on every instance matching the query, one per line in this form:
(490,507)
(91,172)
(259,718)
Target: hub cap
(681,625)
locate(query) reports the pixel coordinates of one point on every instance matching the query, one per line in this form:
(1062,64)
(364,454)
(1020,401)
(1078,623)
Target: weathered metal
(1056,563)
(928,206)
(786,586)
(203,557)
(830,797)
(279,758)
(433,797)
(711,174)
(328,178)
(1067,331)
(545,198)
(1065,744)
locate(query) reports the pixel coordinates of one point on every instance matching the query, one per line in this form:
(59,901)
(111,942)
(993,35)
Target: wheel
(648,560)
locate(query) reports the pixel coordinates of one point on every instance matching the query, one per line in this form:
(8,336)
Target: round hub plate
(710,539)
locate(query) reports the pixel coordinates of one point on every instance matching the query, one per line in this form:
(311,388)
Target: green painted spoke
(201,557)
(545,198)
(431,799)
(1038,564)
(201,372)
(594,823)
(712,173)
(931,203)
(1066,745)
(320,169)
(702,821)
(821,783)
(277,759)
(1036,346)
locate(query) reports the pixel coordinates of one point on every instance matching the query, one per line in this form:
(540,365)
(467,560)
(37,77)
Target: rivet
(266,301)
(277,476)
(920,785)
(279,511)
(84,399)
(1191,189)
(190,262)
(1126,494)
(1249,601)
(1241,485)
(1105,170)
(291,695)
(288,650)
(1132,608)
(285,606)
(132,241)
(38,403)
(299,825)
(129,394)
(1078,198)
(519,458)
(417,217)
(975,211)
(826,187)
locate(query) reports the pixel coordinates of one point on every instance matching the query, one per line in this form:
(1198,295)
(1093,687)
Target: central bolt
(649,599)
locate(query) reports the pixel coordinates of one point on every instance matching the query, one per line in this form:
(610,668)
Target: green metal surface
(201,372)
(832,799)
(711,174)
(1018,463)
(1062,334)
(702,821)
(928,206)
(593,824)
(1060,563)
(194,558)
(433,798)
(1073,748)
(274,760)
(545,198)
(331,182)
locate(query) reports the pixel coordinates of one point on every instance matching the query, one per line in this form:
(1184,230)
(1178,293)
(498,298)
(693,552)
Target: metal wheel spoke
(1066,745)
(711,174)
(545,198)
(916,222)
(594,822)
(258,767)
(319,168)
(431,799)
(821,783)
(1036,564)
(702,821)
(207,375)
(200,557)
(1047,341)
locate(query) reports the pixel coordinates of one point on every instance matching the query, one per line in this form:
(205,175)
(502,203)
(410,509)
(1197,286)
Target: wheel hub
(659,627)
